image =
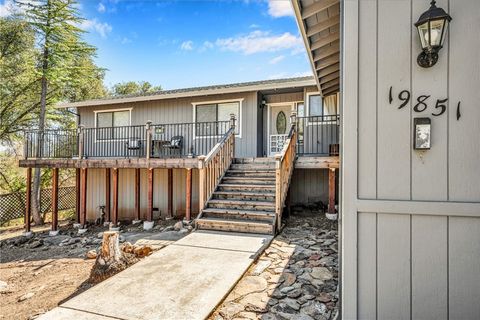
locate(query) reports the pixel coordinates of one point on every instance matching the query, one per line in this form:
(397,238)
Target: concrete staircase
(244,200)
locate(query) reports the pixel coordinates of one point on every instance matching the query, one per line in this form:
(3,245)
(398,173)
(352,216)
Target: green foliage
(132,87)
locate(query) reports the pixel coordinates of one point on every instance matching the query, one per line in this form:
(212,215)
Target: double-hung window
(212,118)
(109,124)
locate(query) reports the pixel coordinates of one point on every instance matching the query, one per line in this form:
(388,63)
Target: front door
(279,124)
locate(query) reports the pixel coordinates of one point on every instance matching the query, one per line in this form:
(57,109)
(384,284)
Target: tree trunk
(36,210)
(110,252)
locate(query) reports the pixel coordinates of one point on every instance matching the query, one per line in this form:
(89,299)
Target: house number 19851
(420,104)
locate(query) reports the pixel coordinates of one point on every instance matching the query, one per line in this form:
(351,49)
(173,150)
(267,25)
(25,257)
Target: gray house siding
(410,219)
(181,110)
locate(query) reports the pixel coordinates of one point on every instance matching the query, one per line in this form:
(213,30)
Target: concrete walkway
(185,280)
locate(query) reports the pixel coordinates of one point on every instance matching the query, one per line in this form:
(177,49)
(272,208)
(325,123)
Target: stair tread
(252,170)
(238,211)
(245,193)
(237,185)
(250,178)
(246,202)
(236,221)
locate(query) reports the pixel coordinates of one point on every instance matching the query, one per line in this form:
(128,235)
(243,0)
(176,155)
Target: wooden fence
(12,205)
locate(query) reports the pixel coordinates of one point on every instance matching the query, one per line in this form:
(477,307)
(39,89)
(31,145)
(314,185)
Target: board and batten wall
(410,220)
(181,111)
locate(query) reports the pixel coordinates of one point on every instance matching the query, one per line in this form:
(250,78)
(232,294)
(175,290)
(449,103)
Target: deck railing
(213,166)
(51,143)
(136,141)
(318,135)
(284,164)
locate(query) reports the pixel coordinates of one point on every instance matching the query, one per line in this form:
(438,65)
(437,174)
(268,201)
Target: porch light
(432,27)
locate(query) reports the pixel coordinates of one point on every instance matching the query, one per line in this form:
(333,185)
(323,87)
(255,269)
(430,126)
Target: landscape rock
(321,273)
(35,244)
(250,284)
(92,254)
(26,296)
(178,226)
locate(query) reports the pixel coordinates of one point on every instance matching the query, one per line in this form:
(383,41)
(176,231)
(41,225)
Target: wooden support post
(170,194)
(77,195)
(137,194)
(331,190)
(202,183)
(188,200)
(28,200)
(150,195)
(83,196)
(55,199)
(115,197)
(108,193)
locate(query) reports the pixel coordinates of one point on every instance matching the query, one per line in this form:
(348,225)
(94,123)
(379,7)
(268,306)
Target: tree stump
(111,259)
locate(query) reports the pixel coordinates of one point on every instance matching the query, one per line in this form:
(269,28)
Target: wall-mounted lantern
(432,27)
(422,133)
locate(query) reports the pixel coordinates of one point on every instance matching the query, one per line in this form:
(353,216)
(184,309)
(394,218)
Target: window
(315,105)
(206,116)
(106,121)
(318,106)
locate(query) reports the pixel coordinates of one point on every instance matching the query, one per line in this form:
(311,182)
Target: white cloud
(8,8)
(254,26)
(102,28)
(260,41)
(125,40)
(276,60)
(206,46)
(280,8)
(101,8)
(187,45)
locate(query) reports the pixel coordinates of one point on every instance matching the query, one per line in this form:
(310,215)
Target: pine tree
(56,23)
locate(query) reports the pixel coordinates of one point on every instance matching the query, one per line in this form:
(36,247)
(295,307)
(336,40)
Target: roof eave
(303,32)
(259,87)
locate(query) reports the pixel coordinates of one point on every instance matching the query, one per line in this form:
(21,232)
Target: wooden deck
(312,162)
(169,163)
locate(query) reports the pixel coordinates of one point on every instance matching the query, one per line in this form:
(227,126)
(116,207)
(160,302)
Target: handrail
(284,164)
(213,166)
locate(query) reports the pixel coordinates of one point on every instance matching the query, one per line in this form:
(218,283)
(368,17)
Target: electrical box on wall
(422,133)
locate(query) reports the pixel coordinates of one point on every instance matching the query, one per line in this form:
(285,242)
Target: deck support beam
(77,195)
(137,194)
(170,194)
(188,200)
(55,199)
(331,190)
(83,197)
(150,195)
(115,197)
(108,205)
(28,201)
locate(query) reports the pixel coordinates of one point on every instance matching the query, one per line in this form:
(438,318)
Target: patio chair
(175,144)
(134,144)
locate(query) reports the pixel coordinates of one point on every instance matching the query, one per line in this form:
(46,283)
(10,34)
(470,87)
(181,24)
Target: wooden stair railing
(284,165)
(213,166)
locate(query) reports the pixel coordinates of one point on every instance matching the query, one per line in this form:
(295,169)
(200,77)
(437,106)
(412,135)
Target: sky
(179,44)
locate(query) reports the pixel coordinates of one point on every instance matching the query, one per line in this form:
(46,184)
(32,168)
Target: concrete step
(245,187)
(242,205)
(244,195)
(253,160)
(248,180)
(247,226)
(236,214)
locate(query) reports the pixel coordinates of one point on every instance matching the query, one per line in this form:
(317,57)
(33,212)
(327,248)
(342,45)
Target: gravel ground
(295,278)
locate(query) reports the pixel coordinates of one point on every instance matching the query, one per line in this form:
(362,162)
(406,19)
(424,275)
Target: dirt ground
(40,273)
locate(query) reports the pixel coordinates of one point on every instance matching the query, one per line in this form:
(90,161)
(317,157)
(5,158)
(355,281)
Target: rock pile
(295,278)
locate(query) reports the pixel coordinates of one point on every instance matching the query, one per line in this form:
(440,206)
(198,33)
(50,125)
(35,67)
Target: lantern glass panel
(423,33)
(436,29)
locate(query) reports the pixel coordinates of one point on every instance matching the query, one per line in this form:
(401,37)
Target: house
(410,215)
(406,87)
(211,150)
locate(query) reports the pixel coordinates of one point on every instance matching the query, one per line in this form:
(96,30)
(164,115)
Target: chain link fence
(12,205)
